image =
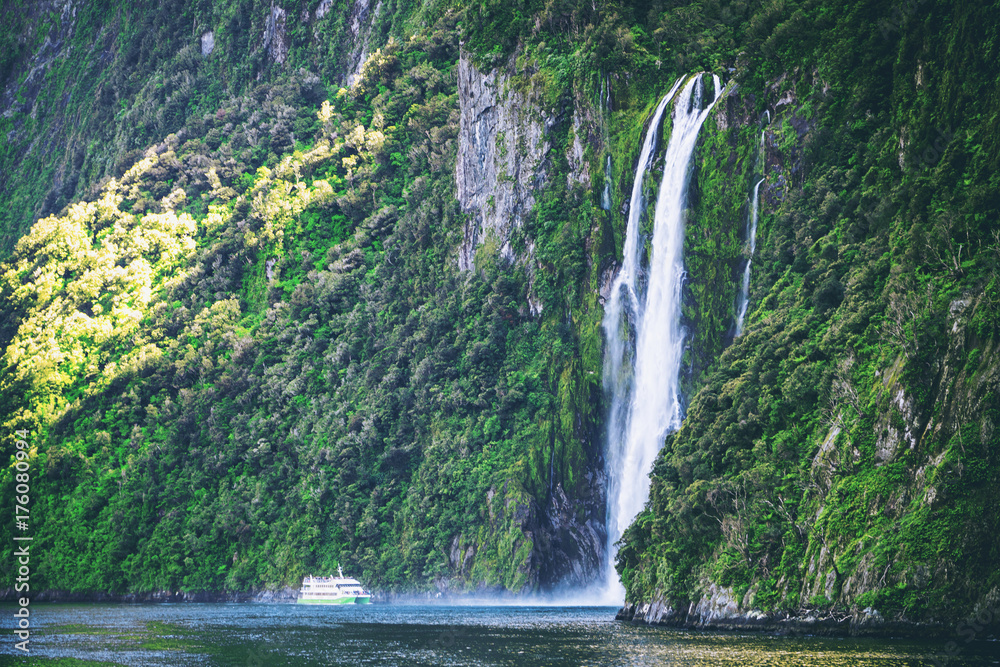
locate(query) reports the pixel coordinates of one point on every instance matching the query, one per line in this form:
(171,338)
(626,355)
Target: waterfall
(744,298)
(606,193)
(621,312)
(605,102)
(642,326)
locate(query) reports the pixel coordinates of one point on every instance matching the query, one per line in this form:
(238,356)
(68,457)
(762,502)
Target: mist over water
(642,327)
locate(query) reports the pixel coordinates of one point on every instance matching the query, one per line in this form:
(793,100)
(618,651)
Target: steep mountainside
(296,284)
(237,368)
(839,460)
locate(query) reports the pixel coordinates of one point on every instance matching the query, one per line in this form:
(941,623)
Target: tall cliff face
(508,154)
(502,160)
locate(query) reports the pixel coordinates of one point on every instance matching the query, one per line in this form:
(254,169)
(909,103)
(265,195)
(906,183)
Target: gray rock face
(573,536)
(323,8)
(502,161)
(362,20)
(579,169)
(18,96)
(717,608)
(275,38)
(281,595)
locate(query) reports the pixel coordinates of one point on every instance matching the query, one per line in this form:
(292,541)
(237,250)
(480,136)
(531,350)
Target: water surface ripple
(255,635)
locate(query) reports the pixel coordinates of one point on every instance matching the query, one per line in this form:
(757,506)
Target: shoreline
(981,625)
(65,597)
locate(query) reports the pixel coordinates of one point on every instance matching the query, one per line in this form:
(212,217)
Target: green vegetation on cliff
(238,335)
(843,451)
(235,373)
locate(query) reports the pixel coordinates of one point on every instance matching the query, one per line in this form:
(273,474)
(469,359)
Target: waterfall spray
(644,385)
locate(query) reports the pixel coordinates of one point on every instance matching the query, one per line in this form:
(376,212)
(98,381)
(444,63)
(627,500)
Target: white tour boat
(333,590)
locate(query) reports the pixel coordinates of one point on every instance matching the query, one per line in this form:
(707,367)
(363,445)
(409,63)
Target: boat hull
(343,600)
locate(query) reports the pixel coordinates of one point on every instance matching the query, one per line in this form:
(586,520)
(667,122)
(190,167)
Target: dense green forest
(256,324)
(251,355)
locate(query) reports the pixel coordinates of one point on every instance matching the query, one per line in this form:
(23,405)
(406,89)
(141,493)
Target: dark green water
(259,635)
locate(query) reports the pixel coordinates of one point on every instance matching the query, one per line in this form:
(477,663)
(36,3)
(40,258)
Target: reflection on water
(258,635)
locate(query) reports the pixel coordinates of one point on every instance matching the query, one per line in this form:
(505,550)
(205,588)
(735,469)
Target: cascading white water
(744,299)
(645,400)
(621,316)
(621,313)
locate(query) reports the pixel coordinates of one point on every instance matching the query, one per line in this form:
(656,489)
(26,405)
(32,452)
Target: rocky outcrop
(579,168)
(207,43)
(502,155)
(323,8)
(150,596)
(362,20)
(551,544)
(278,595)
(18,95)
(275,36)
(718,611)
(573,536)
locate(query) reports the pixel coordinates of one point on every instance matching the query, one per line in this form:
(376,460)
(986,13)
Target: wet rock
(362,19)
(573,535)
(714,612)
